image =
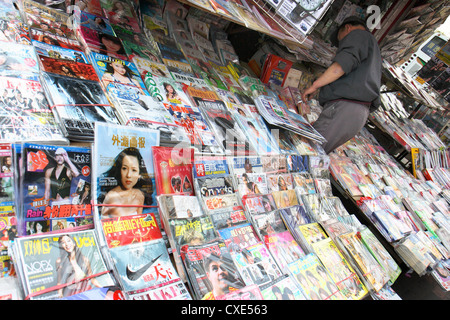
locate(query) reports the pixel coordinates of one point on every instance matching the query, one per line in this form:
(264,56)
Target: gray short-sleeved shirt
(359,56)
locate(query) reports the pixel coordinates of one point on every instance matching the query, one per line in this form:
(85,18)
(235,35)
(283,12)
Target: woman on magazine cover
(132,179)
(73,266)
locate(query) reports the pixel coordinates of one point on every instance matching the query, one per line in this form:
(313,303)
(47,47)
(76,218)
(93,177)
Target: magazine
(282,288)
(228,218)
(17,27)
(380,254)
(25,114)
(257,133)
(125,230)
(77,104)
(280,181)
(370,271)
(275,70)
(118,193)
(283,247)
(256,265)
(239,237)
(251,184)
(56,52)
(143,266)
(173,170)
(192,231)
(228,133)
(55,40)
(103,43)
(143,111)
(185,114)
(19,61)
(268,223)
(200,261)
(93,22)
(49,263)
(339,269)
(8,216)
(68,68)
(284,199)
(313,279)
(117,73)
(56,188)
(257,204)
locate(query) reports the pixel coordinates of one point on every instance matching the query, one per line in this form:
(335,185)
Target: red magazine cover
(124,230)
(68,68)
(275,70)
(173,170)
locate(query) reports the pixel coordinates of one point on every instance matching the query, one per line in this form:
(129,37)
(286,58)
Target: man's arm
(330,75)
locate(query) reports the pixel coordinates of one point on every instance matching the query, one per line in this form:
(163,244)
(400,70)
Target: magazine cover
(215,186)
(18,60)
(77,104)
(239,237)
(203,263)
(120,13)
(256,265)
(25,114)
(125,230)
(68,68)
(150,69)
(228,218)
(44,17)
(124,182)
(252,183)
(240,165)
(220,202)
(181,206)
(56,185)
(304,183)
(192,231)
(56,52)
(283,248)
(103,43)
(91,6)
(8,216)
(257,204)
(55,40)
(185,114)
(282,288)
(268,223)
(139,47)
(339,269)
(228,133)
(173,58)
(250,292)
(258,135)
(173,170)
(280,181)
(312,232)
(16,28)
(61,265)
(313,278)
(94,22)
(369,269)
(117,73)
(284,199)
(143,111)
(381,254)
(143,266)
(294,217)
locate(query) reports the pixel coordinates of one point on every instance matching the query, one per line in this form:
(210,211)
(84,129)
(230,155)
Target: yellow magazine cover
(339,269)
(312,232)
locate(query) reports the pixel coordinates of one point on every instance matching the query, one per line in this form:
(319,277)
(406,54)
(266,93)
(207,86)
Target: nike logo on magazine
(134,275)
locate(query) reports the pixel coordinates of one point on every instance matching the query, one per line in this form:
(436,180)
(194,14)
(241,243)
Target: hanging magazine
(202,261)
(339,269)
(124,180)
(61,265)
(173,170)
(228,133)
(185,114)
(56,188)
(25,114)
(143,267)
(77,104)
(312,277)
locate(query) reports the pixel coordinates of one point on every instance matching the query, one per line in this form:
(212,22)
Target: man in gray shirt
(350,87)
